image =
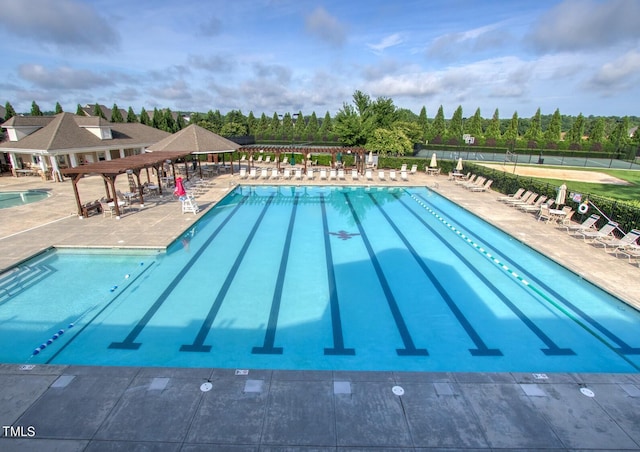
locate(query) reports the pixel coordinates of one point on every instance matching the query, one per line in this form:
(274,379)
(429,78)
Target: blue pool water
(19,198)
(319,278)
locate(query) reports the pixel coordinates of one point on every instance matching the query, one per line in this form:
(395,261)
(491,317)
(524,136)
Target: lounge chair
(259,159)
(545,213)
(267,159)
(243,158)
(591,235)
(414,168)
(354,174)
(298,174)
(515,195)
(323,174)
(107,208)
(533,207)
(369,174)
(484,187)
(253,174)
(333,174)
(403,175)
(341,174)
(466,181)
(392,175)
(286,174)
(589,223)
(381,175)
(403,167)
(629,240)
(264,174)
(310,173)
(275,174)
(478,182)
(243,173)
(632,251)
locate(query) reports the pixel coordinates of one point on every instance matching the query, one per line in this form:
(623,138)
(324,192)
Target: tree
(80,110)
(619,137)
(534,133)
(492,134)
(233,129)
(474,125)
(574,136)
(131,116)
(252,122)
(262,127)
(455,129)
(97,111)
(362,103)
(216,120)
(180,124)
(275,128)
(168,122)
(552,134)
(10,111)
(287,126)
(157,119)
(381,113)
(311,130)
(116,116)
(349,127)
(299,125)
(511,135)
(144,117)
(411,130)
(438,128)
(385,141)
(35,110)
(423,123)
(596,136)
(326,127)
(58,109)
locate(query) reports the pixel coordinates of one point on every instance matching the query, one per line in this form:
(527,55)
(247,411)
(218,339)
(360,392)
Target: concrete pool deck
(50,407)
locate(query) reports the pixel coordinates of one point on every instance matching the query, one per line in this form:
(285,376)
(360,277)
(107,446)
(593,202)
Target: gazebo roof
(120,166)
(195,140)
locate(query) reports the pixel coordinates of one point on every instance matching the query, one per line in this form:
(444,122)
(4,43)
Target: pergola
(305,151)
(110,169)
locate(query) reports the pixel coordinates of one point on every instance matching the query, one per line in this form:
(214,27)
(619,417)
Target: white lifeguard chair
(189,205)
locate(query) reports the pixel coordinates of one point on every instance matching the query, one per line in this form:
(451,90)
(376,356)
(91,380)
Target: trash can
(540,160)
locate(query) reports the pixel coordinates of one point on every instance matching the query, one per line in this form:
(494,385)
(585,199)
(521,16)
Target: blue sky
(581,56)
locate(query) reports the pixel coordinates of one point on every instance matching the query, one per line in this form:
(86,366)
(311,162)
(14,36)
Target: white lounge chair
(589,223)
(243,173)
(259,158)
(264,174)
(275,174)
(403,175)
(404,167)
(414,168)
(333,174)
(629,240)
(267,159)
(591,235)
(287,173)
(381,175)
(535,206)
(310,173)
(323,174)
(515,195)
(341,174)
(299,174)
(369,174)
(484,187)
(253,174)
(354,174)
(392,175)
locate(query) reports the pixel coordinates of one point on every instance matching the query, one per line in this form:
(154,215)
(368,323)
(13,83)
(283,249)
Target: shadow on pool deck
(115,408)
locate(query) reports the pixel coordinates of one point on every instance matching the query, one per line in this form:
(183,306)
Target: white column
(73,160)
(122,153)
(55,169)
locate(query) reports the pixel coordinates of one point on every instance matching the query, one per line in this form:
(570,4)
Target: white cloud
(585,24)
(617,74)
(63,77)
(386,42)
(63,23)
(326,27)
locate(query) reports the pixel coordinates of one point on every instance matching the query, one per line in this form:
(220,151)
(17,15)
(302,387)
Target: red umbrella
(179,191)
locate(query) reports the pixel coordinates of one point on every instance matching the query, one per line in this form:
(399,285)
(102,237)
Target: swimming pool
(19,198)
(319,278)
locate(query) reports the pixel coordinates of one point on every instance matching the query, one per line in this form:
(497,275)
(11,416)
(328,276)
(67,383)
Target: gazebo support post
(112,184)
(140,190)
(75,181)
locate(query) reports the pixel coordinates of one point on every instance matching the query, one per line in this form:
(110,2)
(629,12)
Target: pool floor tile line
(272,324)
(481,348)
(552,347)
(198,343)
(129,342)
(409,347)
(334,304)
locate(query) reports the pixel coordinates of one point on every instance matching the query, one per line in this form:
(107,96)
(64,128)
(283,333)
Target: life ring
(583,208)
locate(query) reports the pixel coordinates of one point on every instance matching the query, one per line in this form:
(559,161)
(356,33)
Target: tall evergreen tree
(262,127)
(597,131)
(252,122)
(493,130)
(157,119)
(438,128)
(80,110)
(180,124)
(10,111)
(534,132)
(97,111)
(131,116)
(144,117)
(35,110)
(619,136)
(216,120)
(474,125)
(552,134)
(116,115)
(326,128)
(454,131)
(287,126)
(58,109)
(574,136)
(275,128)
(168,123)
(311,131)
(299,125)
(511,134)
(423,123)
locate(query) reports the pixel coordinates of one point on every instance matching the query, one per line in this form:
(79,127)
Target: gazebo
(194,139)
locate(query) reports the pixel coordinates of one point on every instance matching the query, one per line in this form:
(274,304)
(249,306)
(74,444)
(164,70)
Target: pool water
(19,198)
(319,278)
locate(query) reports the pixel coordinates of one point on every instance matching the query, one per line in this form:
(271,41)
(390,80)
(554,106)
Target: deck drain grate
(342,387)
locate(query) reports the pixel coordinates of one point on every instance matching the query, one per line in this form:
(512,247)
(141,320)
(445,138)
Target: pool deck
(50,407)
